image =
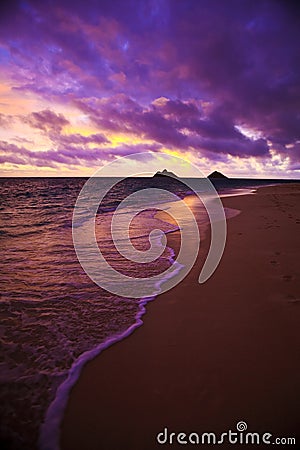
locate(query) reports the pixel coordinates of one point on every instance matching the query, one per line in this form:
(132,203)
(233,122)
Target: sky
(214,82)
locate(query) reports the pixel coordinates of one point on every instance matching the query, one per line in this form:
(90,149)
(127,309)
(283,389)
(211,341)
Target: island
(217,174)
(165,173)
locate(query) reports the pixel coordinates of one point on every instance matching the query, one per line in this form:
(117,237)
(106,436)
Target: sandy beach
(211,355)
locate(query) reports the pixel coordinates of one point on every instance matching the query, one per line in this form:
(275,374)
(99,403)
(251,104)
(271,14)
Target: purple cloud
(46,120)
(78,139)
(68,155)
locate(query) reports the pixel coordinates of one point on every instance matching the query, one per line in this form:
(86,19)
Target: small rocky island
(217,174)
(165,173)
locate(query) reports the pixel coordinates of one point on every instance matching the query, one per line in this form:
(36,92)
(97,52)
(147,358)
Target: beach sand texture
(211,355)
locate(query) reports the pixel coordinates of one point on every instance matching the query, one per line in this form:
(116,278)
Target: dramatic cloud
(215,80)
(176,124)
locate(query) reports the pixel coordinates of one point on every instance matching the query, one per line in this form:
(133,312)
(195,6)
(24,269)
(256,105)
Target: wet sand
(211,355)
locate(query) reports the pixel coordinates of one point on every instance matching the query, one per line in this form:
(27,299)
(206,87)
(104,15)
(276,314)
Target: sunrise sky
(84,82)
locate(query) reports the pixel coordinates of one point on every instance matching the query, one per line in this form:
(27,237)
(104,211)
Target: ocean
(54,318)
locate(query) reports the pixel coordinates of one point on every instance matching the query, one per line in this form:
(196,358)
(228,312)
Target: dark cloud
(8,10)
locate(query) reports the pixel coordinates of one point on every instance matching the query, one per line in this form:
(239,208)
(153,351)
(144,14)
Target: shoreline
(97,404)
(48,434)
